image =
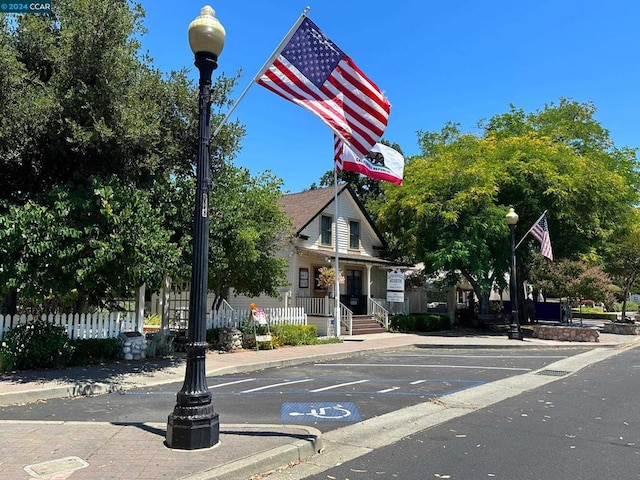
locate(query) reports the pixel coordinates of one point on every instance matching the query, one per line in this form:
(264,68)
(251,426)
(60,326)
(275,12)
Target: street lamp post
(194,424)
(515,332)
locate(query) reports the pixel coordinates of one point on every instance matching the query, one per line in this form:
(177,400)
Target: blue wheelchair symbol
(319,412)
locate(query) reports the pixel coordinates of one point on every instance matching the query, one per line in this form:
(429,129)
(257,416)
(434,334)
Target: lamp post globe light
(194,424)
(515,332)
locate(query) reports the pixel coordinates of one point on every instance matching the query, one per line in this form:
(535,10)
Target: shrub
(213,338)
(94,351)
(295,334)
(159,345)
(7,362)
(594,315)
(37,344)
(419,323)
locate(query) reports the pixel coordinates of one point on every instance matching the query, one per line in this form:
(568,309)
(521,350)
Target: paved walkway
(90,450)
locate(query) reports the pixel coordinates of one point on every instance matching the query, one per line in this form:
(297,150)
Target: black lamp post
(194,424)
(515,332)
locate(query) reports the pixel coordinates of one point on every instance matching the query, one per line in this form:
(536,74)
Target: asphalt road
(584,426)
(326,395)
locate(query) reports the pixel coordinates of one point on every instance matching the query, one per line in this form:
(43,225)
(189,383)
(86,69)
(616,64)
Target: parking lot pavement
(105,450)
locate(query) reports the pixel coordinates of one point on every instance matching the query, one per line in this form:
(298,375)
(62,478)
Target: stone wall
(134,345)
(230,339)
(621,328)
(566,333)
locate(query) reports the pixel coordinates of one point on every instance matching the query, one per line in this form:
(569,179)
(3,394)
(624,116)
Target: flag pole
(336,286)
(529,231)
(266,65)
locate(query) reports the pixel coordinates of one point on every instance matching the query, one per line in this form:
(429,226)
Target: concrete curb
(262,461)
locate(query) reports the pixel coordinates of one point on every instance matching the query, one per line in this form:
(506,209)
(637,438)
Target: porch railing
(346,318)
(316,306)
(379,313)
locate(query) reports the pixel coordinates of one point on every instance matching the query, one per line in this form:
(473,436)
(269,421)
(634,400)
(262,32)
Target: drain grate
(553,373)
(55,467)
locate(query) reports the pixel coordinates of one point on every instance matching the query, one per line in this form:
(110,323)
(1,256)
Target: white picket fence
(108,325)
(276,316)
(81,326)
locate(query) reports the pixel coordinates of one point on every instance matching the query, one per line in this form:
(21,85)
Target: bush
(94,351)
(7,362)
(213,338)
(159,345)
(419,323)
(295,334)
(37,344)
(575,313)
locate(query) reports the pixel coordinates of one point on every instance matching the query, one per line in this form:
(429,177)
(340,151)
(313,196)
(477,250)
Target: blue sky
(459,61)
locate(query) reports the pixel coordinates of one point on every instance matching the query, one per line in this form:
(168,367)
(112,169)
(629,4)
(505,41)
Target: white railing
(81,326)
(379,313)
(346,318)
(316,306)
(227,317)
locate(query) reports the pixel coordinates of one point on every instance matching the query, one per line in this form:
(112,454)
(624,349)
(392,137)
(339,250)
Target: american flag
(311,71)
(541,232)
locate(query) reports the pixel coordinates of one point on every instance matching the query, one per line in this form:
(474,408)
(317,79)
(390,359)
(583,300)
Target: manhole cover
(53,467)
(553,373)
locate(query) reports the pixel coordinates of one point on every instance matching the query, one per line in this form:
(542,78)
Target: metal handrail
(345,312)
(379,313)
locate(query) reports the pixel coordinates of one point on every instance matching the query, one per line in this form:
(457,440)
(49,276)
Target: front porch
(321,313)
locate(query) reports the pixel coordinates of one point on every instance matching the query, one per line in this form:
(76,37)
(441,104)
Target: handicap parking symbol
(319,412)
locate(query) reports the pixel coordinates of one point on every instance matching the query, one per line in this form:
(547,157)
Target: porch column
(368,280)
(164,305)
(140,308)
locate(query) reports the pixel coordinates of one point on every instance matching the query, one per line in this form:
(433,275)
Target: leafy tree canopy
(97,150)
(248,229)
(450,211)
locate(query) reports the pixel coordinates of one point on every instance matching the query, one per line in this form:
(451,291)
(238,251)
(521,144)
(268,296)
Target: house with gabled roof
(363,270)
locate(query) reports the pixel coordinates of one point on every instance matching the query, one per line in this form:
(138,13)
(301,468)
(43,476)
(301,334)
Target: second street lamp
(194,424)
(515,332)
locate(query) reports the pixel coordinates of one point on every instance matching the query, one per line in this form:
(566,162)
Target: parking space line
(330,387)
(277,385)
(481,356)
(231,383)
(386,365)
(387,390)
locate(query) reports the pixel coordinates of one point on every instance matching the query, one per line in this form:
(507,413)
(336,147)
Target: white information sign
(395,296)
(395,280)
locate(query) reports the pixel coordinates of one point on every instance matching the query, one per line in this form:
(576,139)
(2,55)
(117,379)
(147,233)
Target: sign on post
(395,286)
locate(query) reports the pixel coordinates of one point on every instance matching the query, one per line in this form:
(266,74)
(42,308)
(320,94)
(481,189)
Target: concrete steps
(364,324)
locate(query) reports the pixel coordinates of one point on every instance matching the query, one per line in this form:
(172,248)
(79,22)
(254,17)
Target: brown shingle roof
(303,207)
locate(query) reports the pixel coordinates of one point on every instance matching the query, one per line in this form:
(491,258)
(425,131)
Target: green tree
(575,280)
(248,229)
(450,211)
(622,258)
(445,214)
(96,148)
(85,245)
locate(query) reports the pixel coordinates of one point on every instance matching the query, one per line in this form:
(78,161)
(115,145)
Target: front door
(354,299)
